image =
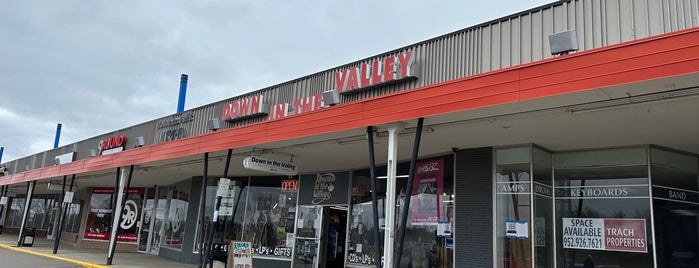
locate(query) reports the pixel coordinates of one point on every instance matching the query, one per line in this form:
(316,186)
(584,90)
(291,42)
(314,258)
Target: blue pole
(58,136)
(183,92)
(1,150)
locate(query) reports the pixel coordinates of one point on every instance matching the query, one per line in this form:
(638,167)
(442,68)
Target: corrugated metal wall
(513,40)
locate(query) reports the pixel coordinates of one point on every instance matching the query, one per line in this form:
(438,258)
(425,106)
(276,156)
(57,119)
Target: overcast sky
(100,66)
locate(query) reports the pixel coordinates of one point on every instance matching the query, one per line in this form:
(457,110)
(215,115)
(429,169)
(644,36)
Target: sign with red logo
(112,145)
(428,188)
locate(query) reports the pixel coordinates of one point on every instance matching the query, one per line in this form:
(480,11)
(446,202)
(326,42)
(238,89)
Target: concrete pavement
(96,258)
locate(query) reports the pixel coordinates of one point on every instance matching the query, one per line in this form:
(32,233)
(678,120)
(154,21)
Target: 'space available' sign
(605,234)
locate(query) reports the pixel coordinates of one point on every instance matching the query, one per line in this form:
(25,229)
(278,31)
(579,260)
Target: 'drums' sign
(271,166)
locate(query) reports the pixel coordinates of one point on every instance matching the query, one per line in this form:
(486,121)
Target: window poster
(428,188)
(605,234)
(99,219)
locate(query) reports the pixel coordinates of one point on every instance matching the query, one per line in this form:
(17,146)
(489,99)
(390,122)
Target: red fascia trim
(661,56)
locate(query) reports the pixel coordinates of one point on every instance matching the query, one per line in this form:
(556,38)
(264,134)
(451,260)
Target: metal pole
(214,219)
(408,192)
(389,230)
(60,216)
(117,213)
(63,217)
(3,190)
(202,208)
(116,186)
(374,199)
(30,191)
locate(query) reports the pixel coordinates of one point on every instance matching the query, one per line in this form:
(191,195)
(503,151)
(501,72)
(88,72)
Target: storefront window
(177,215)
(428,238)
(513,207)
(72,220)
(231,214)
(99,220)
(543,207)
(39,212)
(602,209)
(14,214)
(675,178)
(269,217)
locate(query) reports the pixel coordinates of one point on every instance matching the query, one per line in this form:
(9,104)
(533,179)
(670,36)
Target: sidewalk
(89,257)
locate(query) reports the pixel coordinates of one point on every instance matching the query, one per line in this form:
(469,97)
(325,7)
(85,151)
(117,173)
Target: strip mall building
(526,159)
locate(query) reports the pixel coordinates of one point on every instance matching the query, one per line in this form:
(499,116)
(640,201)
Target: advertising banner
(99,220)
(241,254)
(428,187)
(605,234)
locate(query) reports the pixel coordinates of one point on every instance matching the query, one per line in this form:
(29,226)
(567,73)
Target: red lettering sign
(113,142)
(242,108)
(375,72)
(625,235)
(279,111)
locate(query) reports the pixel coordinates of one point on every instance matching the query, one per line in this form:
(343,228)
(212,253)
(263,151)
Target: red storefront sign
(625,235)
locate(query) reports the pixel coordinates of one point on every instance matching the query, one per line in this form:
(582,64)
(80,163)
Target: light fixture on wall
(331,97)
(139,141)
(564,42)
(214,124)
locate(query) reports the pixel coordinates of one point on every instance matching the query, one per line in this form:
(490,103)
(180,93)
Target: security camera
(454,149)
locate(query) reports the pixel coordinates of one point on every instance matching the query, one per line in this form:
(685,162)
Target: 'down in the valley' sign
(605,234)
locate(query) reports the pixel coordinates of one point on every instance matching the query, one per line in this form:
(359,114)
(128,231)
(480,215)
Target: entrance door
(320,236)
(152,219)
(334,233)
(308,235)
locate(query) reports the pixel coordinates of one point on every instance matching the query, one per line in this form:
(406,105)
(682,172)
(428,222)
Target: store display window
(429,232)
(99,219)
(269,217)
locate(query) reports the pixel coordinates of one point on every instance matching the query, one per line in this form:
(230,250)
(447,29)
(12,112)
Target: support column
(374,198)
(3,193)
(30,191)
(408,192)
(116,213)
(389,234)
(66,202)
(202,206)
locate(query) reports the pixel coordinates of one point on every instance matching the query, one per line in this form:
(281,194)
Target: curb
(82,263)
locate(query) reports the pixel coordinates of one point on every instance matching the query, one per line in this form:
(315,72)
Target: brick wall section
(473,242)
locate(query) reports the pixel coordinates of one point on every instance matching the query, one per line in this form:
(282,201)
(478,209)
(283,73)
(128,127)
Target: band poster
(428,188)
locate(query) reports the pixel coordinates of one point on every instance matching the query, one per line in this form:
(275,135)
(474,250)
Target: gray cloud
(98,66)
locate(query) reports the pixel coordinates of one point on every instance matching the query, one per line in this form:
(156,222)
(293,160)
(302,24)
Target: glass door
(308,236)
(153,217)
